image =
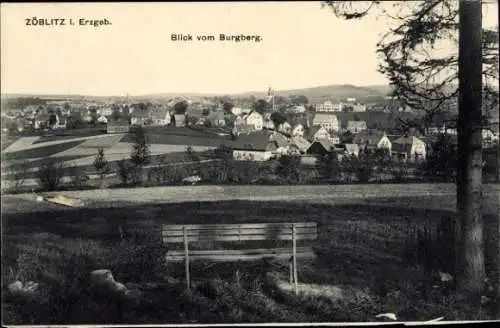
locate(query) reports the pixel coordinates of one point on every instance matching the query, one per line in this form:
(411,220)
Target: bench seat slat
(244,255)
(174,227)
(239,237)
(236,231)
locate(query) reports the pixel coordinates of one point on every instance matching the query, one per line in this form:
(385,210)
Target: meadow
(361,269)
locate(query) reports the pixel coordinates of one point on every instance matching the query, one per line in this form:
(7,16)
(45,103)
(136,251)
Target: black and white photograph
(240,162)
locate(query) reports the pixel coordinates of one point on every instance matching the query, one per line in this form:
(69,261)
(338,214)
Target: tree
(116,114)
(50,175)
(227,106)
(140,153)
(124,169)
(362,166)
(422,80)
(346,137)
(288,167)
(225,155)
(299,99)
(191,154)
(441,161)
(205,112)
(261,106)
(328,165)
(52,120)
(277,119)
(101,165)
(180,108)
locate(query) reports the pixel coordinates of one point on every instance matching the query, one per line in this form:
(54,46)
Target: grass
(40,161)
(359,251)
(43,151)
(7,140)
(180,136)
(70,134)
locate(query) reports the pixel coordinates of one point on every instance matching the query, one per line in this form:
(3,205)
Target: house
(106,111)
(60,122)
(160,116)
(299,144)
(217,119)
(87,117)
(256,119)
(246,111)
(351,150)
(356,126)
(243,128)
(178,120)
(489,134)
(199,120)
(298,109)
(282,143)
(372,139)
(41,120)
(285,127)
(320,147)
(255,146)
(140,117)
(334,137)
(408,148)
(298,130)
(358,108)
(328,106)
(268,122)
(317,132)
(102,119)
(328,121)
(237,111)
(117,126)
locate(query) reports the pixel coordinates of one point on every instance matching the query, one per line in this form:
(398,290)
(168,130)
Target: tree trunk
(470,258)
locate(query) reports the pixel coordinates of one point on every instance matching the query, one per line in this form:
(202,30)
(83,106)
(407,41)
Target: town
(253,130)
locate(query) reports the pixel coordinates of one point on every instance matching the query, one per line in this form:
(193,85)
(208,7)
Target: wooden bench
(304,231)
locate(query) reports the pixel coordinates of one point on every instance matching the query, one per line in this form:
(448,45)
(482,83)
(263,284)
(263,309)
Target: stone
(103,282)
(390,316)
(17,288)
(445,277)
(99,277)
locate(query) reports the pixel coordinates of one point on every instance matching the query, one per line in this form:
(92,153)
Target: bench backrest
(239,232)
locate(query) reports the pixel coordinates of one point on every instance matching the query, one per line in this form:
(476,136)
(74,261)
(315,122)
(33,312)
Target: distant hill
(331,92)
(314,94)
(320,93)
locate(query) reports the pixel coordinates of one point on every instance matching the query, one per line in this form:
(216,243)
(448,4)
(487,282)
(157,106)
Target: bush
(400,172)
(50,175)
(328,166)
(19,177)
(364,172)
(288,167)
(101,165)
(124,170)
(78,176)
(442,160)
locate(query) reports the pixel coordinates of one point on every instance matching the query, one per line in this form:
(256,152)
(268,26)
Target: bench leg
(186,259)
(294,240)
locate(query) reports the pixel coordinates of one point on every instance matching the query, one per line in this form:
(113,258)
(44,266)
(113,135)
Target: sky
(303,45)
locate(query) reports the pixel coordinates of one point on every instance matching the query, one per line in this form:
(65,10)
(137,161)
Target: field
(181,136)
(79,147)
(359,270)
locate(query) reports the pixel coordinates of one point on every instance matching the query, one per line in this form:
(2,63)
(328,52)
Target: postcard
(211,163)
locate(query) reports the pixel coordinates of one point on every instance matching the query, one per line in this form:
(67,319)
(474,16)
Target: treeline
(23,102)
